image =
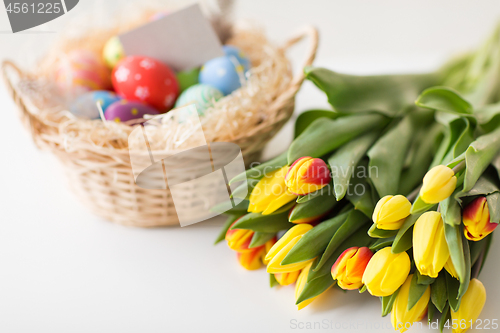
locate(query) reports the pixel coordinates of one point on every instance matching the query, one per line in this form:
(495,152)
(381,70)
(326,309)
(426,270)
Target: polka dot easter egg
(202,95)
(233,51)
(113,52)
(86,105)
(122,111)
(223,74)
(146,80)
(80,71)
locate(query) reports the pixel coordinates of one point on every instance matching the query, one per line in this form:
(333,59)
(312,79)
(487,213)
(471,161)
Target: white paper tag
(183,40)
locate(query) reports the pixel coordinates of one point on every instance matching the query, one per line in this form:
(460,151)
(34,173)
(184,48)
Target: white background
(65,270)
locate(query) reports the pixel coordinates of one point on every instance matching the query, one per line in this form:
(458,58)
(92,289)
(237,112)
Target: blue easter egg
(86,105)
(223,74)
(233,51)
(202,95)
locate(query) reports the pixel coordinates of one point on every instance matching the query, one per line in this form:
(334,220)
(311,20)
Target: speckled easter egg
(146,80)
(124,110)
(113,52)
(223,74)
(188,78)
(202,95)
(82,70)
(86,105)
(233,51)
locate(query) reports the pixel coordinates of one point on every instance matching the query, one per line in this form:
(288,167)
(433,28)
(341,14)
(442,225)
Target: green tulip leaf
(327,190)
(325,135)
(453,235)
(439,293)
(261,238)
(388,94)
(272,281)
(239,209)
(382,242)
(444,99)
(419,206)
(431,312)
(318,206)
(388,302)
(493,200)
(451,211)
(375,232)
(222,234)
(478,156)
(424,279)
(360,194)
(307,117)
(259,171)
(477,248)
(355,220)
(264,223)
(459,134)
(387,157)
(453,286)
(464,284)
(445,318)
(314,242)
(319,286)
(488,117)
(425,142)
(416,292)
(404,237)
(344,160)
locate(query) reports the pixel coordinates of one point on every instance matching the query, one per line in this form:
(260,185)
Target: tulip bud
(270,193)
(307,175)
(251,260)
(477,220)
(267,247)
(471,306)
(430,250)
(386,272)
(239,239)
(286,279)
(279,250)
(391,211)
(402,318)
(349,268)
(439,183)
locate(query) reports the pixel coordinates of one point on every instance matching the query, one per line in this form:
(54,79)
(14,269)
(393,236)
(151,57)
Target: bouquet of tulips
(395,192)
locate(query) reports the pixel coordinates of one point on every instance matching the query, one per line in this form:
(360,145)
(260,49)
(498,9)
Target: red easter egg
(147,80)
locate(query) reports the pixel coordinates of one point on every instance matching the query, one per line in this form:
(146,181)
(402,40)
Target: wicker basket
(102,178)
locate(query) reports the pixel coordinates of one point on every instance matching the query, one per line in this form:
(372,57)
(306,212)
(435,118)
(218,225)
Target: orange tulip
(349,268)
(252,259)
(477,220)
(239,239)
(307,175)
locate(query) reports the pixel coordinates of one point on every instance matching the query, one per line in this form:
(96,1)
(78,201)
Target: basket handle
(312,33)
(30,119)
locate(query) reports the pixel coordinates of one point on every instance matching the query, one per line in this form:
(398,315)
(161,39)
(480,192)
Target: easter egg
(233,51)
(222,74)
(202,95)
(86,105)
(124,110)
(188,78)
(147,80)
(113,52)
(82,70)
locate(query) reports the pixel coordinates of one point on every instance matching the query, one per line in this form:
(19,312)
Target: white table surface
(64,270)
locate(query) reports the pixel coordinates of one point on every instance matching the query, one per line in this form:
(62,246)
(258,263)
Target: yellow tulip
(286,279)
(477,224)
(270,193)
(402,318)
(430,250)
(450,268)
(439,183)
(386,272)
(471,306)
(299,286)
(391,211)
(279,250)
(307,175)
